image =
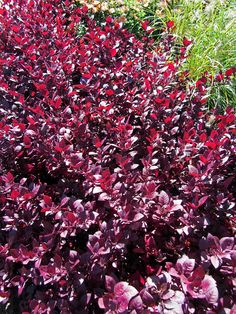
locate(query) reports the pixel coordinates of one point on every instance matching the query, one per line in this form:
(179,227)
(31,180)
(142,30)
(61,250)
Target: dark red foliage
(117,185)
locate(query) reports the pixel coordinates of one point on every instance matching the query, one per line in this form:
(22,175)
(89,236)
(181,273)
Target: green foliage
(223,95)
(212,29)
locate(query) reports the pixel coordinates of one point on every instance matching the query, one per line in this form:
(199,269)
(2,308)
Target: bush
(130,12)
(117,186)
(209,24)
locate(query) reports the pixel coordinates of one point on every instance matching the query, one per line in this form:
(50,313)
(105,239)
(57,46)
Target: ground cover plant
(117,186)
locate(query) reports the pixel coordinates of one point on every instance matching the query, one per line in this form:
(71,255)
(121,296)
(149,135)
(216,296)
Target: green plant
(210,25)
(223,94)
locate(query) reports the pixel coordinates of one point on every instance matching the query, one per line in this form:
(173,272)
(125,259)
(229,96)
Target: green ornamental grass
(212,27)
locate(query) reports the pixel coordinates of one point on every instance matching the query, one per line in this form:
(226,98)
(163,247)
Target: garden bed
(117,182)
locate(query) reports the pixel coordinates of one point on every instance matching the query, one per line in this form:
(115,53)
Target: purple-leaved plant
(117,185)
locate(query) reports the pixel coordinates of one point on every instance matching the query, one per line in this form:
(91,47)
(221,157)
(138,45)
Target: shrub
(130,12)
(208,24)
(117,186)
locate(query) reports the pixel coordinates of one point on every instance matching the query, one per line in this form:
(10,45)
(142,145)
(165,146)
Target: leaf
(97,189)
(210,289)
(179,297)
(87,75)
(138,217)
(101,303)
(168,120)
(109,92)
(113,52)
(98,143)
(227,243)
(109,19)
(150,190)
(197,276)
(202,200)
(47,200)
(124,293)
(110,283)
(136,303)
(170,24)
(78,205)
(185,264)
(215,261)
(40,87)
(57,103)
(147,84)
(164,198)
(147,297)
(120,288)
(26,140)
(168,294)
(64,201)
(71,217)
(103,197)
(211,145)
(145,25)
(9,177)
(15,28)
(193,171)
(203,137)
(28,196)
(186,42)
(213,242)
(14,194)
(230,71)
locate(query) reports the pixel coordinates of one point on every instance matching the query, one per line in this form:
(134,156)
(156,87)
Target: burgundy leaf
(193,171)
(120,288)
(170,24)
(110,164)
(197,276)
(227,243)
(110,283)
(163,198)
(210,290)
(113,52)
(136,303)
(185,264)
